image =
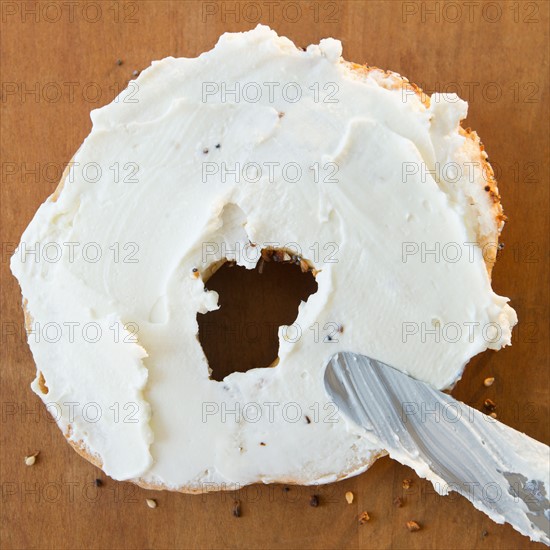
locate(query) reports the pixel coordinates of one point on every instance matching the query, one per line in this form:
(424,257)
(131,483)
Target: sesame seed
(31,459)
(237,509)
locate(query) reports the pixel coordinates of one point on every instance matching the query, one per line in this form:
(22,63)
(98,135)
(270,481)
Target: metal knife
(502,472)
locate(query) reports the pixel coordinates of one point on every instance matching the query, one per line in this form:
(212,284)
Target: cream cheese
(255,142)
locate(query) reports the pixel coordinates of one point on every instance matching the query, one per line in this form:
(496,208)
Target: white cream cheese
(153,182)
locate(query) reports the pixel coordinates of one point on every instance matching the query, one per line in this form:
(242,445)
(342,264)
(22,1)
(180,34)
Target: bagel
(255,148)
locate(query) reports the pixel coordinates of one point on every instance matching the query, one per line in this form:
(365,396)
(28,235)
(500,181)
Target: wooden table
(60,62)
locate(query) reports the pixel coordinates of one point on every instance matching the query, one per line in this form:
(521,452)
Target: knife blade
(502,472)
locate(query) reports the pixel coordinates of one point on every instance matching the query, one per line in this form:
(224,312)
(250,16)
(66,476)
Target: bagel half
(408,204)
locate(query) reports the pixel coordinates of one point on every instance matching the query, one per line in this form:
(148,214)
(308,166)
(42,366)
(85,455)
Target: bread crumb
(398,502)
(363,518)
(406,484)
(413,526)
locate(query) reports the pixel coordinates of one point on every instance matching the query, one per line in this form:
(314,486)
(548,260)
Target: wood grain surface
(494,54)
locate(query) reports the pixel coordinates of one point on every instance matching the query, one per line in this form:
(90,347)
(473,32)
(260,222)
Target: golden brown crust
(488,241)
(390,81)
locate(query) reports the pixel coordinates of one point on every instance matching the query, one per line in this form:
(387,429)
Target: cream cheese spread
(254,144)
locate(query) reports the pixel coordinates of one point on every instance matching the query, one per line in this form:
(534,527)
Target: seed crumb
(406,484)
(31,459)
(151,502)
(119,62)
(136,73)
(308,420)
(349,497)
(488,381)
(98,482)
(314,501)
(363,518)
(398,502)
(237,508)
(413,526)
(262,443)
(489,405)
(484,533)
(286,489)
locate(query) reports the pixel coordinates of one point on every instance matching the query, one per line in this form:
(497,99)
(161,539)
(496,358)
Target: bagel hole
(243,333)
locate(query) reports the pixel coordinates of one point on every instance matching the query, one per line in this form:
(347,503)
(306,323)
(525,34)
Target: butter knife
(502,472)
